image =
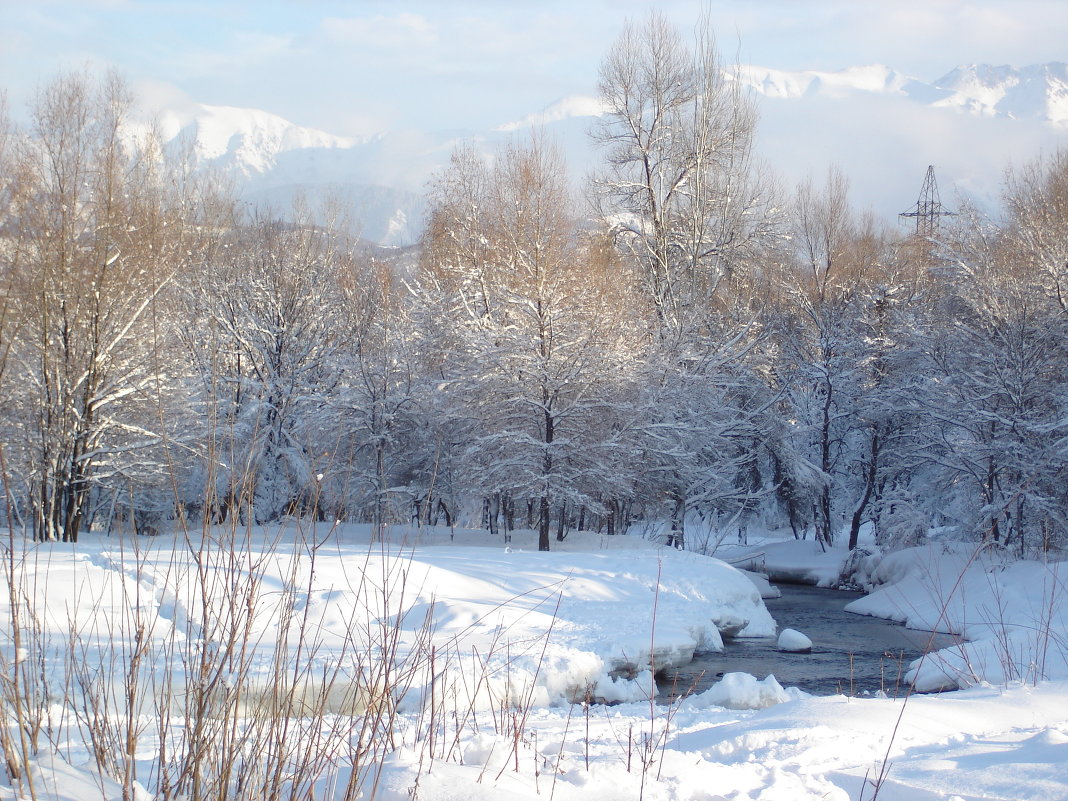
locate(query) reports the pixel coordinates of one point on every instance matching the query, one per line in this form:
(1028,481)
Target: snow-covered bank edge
(1012,614)
(553,627)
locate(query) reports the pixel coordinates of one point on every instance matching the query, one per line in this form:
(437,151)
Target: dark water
(851,654)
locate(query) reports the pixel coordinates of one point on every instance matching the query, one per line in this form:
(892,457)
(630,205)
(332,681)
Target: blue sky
(357,68)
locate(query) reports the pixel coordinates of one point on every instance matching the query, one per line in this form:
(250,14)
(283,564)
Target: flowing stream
(851,654)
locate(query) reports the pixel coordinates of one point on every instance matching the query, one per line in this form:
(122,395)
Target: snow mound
(583,623)
(743,691)
(793,641)
(509,628)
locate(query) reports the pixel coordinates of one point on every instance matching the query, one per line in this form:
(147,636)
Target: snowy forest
(677,341)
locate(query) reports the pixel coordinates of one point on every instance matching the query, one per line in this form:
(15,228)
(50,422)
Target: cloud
(405,30)
(571,106)
(923,37)
(884,145)
(240,54)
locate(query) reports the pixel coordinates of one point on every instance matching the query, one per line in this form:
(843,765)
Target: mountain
(793,85)
(1037,92)
(244,141)
(881,127)
(273,161)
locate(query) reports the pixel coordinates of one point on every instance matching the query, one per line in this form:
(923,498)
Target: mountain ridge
(273,160)
(973,88)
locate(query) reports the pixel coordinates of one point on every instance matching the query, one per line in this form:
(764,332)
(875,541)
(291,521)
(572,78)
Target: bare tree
(680,192)
(536,341)
(1036,198)
(687,208)
(91,254)
(380,385)
(999,368)
(829,336)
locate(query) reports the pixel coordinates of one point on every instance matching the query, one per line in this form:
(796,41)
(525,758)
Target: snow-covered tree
(1000,360)
(380,435)
(833,332)
(687,210)
(262,334)
(91,241)
(680,192)
(536,351)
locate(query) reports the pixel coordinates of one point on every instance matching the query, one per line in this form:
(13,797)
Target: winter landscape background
(404,464)
(809,120)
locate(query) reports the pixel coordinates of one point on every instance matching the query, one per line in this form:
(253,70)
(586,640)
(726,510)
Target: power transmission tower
(928,209)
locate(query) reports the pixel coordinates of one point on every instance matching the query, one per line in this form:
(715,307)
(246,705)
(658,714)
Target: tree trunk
(543,523)
(493,510)
(546,471)
(677,537)
(379,522)
(508,504)
(824,529)
(869,486)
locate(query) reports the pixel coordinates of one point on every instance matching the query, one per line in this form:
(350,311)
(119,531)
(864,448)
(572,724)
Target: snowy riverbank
(486,647)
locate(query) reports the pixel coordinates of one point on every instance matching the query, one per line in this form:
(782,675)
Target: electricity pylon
(928,209)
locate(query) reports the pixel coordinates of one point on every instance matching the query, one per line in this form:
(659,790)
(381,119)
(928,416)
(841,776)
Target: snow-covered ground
(494,653)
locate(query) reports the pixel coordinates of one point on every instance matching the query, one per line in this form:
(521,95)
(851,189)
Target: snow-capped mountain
(793,85)
(880,126)
(248,142)
(1036,92)
(1039,91)
(272,161)
(883,128)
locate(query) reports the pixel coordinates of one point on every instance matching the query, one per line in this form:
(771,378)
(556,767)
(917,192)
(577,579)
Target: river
(851,654)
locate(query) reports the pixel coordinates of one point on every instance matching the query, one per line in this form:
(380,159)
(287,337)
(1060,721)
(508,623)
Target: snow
(1011,612)
(1038,91)
(794,641)
(742,691)
(791,561)
(252,139)
(784,84)
(518,635)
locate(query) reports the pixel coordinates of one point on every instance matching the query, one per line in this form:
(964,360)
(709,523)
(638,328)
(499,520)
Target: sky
(367,67)
(364,67)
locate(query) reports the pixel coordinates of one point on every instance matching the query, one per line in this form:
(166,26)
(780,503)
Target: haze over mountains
(971,123)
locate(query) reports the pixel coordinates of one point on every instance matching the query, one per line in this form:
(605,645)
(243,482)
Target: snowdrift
(1011,614)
